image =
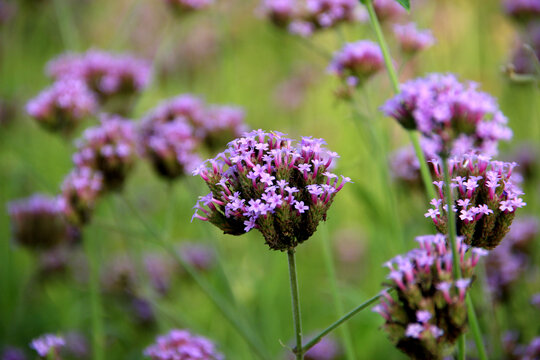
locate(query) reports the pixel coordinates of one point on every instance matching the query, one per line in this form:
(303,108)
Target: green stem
(297,316)
(68,31)
(245,331)
(475,328)
(424,170)
(338,303)
(340,321)
(98,339)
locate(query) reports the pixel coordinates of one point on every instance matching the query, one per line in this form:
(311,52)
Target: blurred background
(230,54)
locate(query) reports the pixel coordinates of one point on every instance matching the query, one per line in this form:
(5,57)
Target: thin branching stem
(295,299)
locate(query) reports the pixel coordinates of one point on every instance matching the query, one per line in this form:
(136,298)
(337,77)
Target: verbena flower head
(63,106)
(108,149)
(183,7)
(142,312)
(200,256)
(522,10)
(160,271)
(412,40)
(280,12)
(428,313)
(221,124)
(12,353)
(264,182)
(523,62)
(112,77)
(356,62)
(80,191)
(486,199)
(182,345)
(326,349)
(388,10)
(37,222)
(48,344)
(457,116)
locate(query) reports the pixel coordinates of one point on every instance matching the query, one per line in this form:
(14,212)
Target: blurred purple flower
(80,191)
(522,10)
(48,344)
(182,345)
(412,40)
(201,257)
(12,353)
(388,10)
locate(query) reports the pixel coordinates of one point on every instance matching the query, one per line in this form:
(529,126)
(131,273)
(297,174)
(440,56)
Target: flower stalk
(297,316)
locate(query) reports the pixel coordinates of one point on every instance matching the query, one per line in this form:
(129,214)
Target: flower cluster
(37,222)
(11,352)
(182,345)
(507,263)
(199,256)
(171,133)
(307,16)
(412,40)
(429,312)
(522,10)
(457,116)
(356,62)
(80,191)
(523,62)
(108,149)
(486,200)
(388,10)
(182,7)
(108,75)
(63,106)
(48,344)
(262,181)
(404,164)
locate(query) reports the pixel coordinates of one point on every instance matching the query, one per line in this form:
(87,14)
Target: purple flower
(411,40)
(37,222)
(108,149)
(182,345)
(80,191)
(522,10)
(280,12)
(200,256)
(487,199)
(47,344)
(326,349)
(388,10)
(63,106)
(12,353)
(257,183)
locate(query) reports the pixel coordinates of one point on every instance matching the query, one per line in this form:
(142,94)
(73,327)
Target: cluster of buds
(171,133)
(355,63)
(412,40)
(182,7)
(429,312)
(457,116)
(265,182)
(307,16)
(48,346)
(63,106)
(113,78)
(109,149)
(80,191)
(523,11)
(182,345)
(486,199)
(507,263)
(38,223)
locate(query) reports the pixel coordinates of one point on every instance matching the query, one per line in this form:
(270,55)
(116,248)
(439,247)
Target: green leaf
(405,3)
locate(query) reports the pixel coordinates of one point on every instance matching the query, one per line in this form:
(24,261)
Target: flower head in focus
(262,181)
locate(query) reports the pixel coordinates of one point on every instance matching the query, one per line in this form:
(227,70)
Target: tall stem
(424,170)
(299,351)
(98,340)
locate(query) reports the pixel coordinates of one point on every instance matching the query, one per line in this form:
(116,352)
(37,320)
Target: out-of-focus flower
(280,12)
(37,222)
(142,311)
(76,346)
(326,349)
(221,124)
(522,11)
(262,181)
(290,94)
(486,199)
(199,256)
(160,270)
(80,191)
(429,313)
(535,300)
(404,164)
(120,277)
(457,116)
(412,40)
(12,353)
(48,344)
(63,106)
(114,78)
(388,10)
(109,149)
(183,7)
(182,345)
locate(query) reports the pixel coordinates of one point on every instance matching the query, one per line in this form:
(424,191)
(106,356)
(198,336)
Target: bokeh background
(229,55)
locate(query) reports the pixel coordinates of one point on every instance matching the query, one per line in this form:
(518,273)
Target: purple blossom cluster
(182,7)
(48,344)
(304,17)
(523,62)
(522,11)
(108,149)
(405,166)
(262,181)
(516,351)
(412,40)
(199,256)
(63,106)
(106,74)
(356,62)
(80,191)
(37,222)
(506,264)
(171,133)
(486,199)
(388,10)
(182,345)
(12,353)
(428,313)
(457,116)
